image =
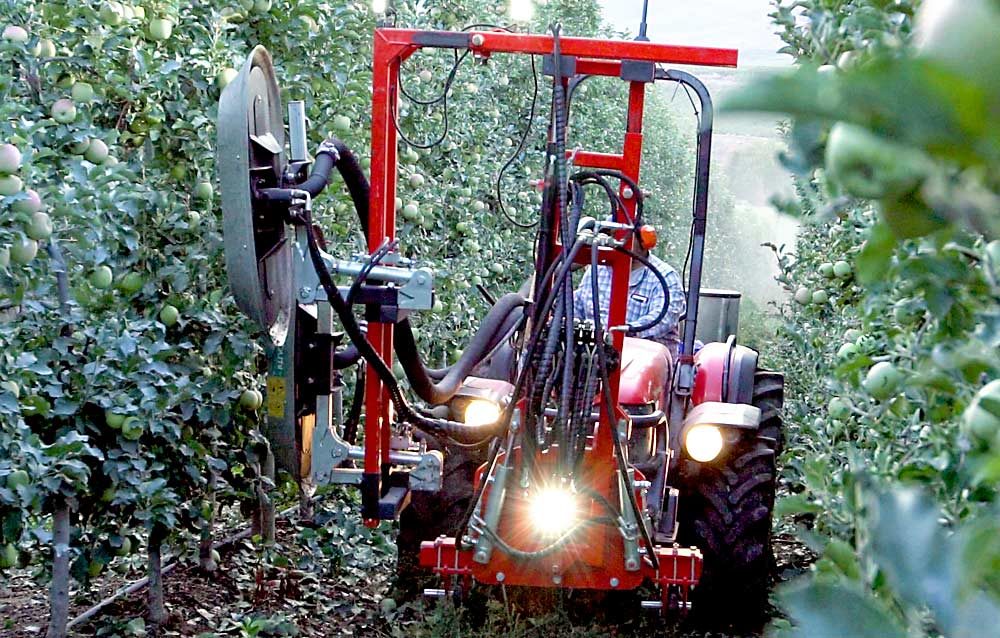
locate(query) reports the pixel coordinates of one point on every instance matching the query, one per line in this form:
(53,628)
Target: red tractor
(556,452)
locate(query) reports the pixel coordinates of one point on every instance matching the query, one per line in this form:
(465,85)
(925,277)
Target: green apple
(139,12)
(97,152)
(40,226)
(981,420)
(826,270)
(262,6)
(132,428)
(63,111)
(882,380)
(803,296)
(852,334)
(131,283)
(10,185)
(842,269)
(10,159)
(820,297)
(14,33)
(169,315)
(839,408)
(82,92)
(113,419)
(160,29)
(46,48)
(30,204)
(961,35)
(251,399)
(23,250)
(193,218)
(416,180)
(225,76)
(102,277)
(112,13)
(411,212)
(79,147)
(847,351)
(203,190)
(867,165)
(478,206)
(341,123)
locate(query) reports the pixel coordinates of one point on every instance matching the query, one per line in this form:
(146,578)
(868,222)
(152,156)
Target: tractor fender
(724,373)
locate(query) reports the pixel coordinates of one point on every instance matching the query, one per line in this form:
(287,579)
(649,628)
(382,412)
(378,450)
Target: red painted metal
(710,363)
(596,558)
(645,372)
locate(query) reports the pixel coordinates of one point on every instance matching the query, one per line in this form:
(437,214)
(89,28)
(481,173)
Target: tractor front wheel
(725,510)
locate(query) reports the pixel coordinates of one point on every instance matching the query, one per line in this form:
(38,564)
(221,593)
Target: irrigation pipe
(169,567)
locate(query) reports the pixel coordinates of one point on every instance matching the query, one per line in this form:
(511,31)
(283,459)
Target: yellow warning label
(276,397)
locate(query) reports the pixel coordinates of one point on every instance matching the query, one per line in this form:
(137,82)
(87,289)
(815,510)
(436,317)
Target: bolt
(631,565)
(420,279)
(614,582)
(481,557)
(478,40)
(557,579)
(627,193)
(501,577)
(305,292)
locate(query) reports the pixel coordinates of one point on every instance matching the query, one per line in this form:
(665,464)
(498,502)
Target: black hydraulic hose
(505,418)
(451,429)
(322,168)
(663,284)
(609,407)
(489,330)
(346,357)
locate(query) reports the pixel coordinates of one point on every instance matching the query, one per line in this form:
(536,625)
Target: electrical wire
(520,147)
(443,99)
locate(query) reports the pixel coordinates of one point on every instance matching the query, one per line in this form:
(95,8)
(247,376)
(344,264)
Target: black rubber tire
(431,514)
(725,510)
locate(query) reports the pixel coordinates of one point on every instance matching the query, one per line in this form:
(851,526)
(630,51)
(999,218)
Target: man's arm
(675,308)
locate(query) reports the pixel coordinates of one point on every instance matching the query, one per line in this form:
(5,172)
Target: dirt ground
(330,580)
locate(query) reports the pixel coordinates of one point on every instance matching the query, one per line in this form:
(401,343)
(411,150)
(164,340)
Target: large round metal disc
(251,154)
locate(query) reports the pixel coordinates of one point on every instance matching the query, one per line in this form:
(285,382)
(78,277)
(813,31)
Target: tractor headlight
(703,442)
(553,510)
(481,412)
(522,10)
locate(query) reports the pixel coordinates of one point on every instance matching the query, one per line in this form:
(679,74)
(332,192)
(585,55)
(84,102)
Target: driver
(645,299)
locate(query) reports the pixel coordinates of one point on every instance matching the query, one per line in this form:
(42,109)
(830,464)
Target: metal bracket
(567,65)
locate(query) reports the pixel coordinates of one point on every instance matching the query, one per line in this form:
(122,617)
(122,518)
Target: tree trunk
(59,593)
(157,610)
(205,560)
(264,502)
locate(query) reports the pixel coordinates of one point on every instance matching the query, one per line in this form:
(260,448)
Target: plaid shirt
(645,299)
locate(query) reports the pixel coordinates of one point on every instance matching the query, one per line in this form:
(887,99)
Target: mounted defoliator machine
(557,451)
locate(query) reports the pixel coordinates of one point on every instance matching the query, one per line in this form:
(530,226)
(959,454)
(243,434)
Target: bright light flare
(553,511)
(522,10)
(379,6)
(703,442)
(480,412)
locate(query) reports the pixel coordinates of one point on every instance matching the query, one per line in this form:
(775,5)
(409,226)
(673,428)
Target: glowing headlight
(481,412)
(553,511)
(703,442)
(522,10)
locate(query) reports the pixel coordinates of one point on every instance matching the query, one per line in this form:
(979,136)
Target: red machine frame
(593,57)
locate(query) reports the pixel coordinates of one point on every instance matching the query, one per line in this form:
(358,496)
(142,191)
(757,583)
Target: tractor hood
(645,371)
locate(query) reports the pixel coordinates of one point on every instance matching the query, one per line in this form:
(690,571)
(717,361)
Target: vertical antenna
(642,25)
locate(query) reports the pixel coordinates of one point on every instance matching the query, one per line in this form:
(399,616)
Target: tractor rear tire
(725,510)
(432,514)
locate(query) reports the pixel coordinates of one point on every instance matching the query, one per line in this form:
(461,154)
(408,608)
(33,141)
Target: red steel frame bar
(595,57)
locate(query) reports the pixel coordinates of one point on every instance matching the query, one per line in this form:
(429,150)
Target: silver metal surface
(297,131)
(250,146)
(651,604)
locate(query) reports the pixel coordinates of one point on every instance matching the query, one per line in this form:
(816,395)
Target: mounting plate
(251,155)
